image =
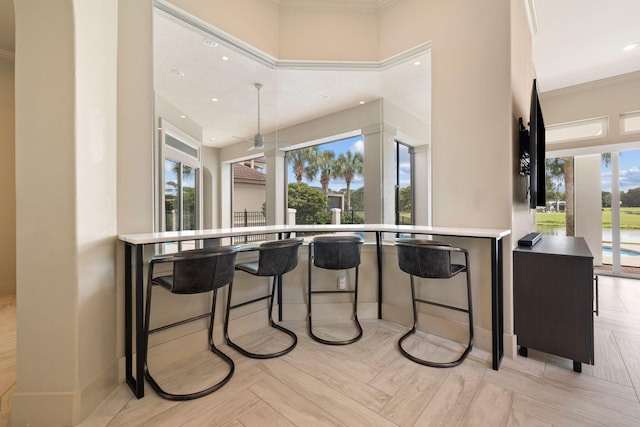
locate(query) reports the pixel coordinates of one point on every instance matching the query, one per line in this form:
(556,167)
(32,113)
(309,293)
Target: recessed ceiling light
(631,46)
(225,58)
(209,42)
(416,63)
(182,116)
(214,99)
(361,102)
(177,73)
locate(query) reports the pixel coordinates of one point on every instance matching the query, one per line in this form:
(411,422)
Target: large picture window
(327,176)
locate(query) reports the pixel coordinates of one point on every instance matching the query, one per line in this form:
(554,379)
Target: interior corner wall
(471,103)
(255,22)
(8,178)
(45,211)
(329,33)
(66,209)
(522,75)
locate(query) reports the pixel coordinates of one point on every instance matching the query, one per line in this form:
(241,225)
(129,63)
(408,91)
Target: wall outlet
(342,282)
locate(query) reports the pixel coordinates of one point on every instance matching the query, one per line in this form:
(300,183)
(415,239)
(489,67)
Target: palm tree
(324,162)
(304,163)
(561,169)
(347,166)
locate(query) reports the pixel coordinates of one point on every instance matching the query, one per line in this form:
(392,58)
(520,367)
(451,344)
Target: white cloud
(630,178)
(358,146)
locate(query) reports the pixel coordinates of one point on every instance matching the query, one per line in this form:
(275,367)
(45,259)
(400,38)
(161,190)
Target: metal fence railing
(249,219)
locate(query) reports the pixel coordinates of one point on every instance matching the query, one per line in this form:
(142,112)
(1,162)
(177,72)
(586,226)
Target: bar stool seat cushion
(249,267)
(437,265)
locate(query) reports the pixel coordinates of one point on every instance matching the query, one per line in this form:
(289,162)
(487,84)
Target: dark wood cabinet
(553,298)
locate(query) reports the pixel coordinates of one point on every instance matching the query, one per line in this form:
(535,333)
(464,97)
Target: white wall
(603,98)
(248,196)
(66,209)
(7,177)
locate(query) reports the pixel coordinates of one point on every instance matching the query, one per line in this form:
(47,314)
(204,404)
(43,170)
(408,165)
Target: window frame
(169,152)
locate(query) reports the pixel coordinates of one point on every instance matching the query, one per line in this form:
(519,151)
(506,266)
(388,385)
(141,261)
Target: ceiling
(576,41)
(579,41)
(213,84)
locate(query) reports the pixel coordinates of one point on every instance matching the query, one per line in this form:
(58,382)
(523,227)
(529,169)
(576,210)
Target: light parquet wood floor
(370,384)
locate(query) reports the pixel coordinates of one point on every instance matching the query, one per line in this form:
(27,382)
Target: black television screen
(537,150)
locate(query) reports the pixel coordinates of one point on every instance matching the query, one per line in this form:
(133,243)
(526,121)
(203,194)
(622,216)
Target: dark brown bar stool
(275,259)
(335,253)
(431,259)
(193,272)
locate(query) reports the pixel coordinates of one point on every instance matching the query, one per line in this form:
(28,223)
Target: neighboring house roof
(244,174)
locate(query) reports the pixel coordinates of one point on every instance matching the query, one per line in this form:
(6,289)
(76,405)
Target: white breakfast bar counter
(134,281)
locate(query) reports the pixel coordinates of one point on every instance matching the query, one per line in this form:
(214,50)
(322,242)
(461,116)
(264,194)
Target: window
(583,129)
(181,198)
(630,122)
(326,176)
(403,187)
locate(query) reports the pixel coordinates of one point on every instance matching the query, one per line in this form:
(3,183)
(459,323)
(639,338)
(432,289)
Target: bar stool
(275,259)
(431,259)
(335,253)
(196,271)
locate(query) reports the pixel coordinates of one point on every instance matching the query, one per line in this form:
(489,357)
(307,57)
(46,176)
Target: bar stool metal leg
(198,275)
(272,323)
(432,260)
(334,246)
(275,259)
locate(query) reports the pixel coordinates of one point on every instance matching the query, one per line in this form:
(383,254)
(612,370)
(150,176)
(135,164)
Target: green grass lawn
(629,218)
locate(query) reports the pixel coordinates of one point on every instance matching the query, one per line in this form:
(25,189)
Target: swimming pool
(606,250)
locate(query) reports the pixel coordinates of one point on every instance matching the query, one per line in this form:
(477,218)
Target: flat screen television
(537,148)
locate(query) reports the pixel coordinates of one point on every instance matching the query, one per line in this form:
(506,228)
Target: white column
(291,216)
(335,215)
(588,201)
(276,191)
(373,175)
(67,201)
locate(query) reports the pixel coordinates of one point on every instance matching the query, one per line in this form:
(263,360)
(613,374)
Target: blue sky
(356,145)
(629,171)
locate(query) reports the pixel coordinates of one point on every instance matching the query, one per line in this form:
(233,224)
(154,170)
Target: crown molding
(275,63)
(362,65)
(634,76)
(6,54)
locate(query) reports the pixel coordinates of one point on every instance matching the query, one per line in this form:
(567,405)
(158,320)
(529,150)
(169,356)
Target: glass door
(621,212)
(180,209)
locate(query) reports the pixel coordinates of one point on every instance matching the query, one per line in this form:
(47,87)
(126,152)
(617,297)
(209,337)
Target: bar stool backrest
(278,257)
(426,258)
(202,270)
(337,252)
